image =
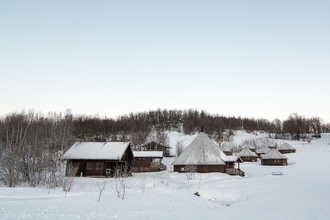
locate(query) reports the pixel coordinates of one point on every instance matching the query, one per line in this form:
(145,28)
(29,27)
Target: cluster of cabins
(202,155)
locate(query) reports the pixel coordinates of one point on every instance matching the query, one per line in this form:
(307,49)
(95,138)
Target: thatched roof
(225,148)
(201,151)
(273,154)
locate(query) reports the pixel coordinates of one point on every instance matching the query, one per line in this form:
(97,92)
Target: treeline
(32,144)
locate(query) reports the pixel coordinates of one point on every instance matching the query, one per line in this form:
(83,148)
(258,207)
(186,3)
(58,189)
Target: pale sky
(260,59)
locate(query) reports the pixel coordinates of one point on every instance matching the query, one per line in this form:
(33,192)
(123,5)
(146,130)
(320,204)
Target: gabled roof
(152,154)
(96,150)
(273,154)
(286,146)
(264,149)
(201,151)
(246,152)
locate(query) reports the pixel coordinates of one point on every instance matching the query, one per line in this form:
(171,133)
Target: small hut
(286,148)
(148,161)
(224,148)
(263,150)
(250,147)
(200,156)
(247,155)
(203,155)
(274,158)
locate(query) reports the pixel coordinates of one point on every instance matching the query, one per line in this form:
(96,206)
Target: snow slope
(302,192)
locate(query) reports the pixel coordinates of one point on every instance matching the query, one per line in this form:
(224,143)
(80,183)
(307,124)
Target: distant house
(247,155)
(274,158)
(250,147)
(286,148)
(100,158)
(224,148)
(203,155)
(263,150)
(154,146)
(148,161)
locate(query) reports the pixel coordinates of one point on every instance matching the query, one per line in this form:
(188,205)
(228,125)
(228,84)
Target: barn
(274,158)
(100,158)
(148,161)
(286,148)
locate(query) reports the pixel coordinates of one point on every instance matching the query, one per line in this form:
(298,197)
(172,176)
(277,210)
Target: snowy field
(302,192)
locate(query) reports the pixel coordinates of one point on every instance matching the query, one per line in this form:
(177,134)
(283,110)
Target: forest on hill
(32,144)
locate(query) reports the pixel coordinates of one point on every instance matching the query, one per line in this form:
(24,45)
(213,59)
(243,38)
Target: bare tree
(101,187)
(68,180)
(179,148)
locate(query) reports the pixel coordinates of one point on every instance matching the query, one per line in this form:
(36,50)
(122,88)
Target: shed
(148,161)
(100,158)
(286,148)
(247,155)
(274,158)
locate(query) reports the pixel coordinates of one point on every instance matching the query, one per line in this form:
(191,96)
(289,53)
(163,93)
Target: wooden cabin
(100,158)
(262,151)
(274,158)
(203,155)
(154,146)
(247,155)
(148,161)
(286,148)
(224,148)
(250,147)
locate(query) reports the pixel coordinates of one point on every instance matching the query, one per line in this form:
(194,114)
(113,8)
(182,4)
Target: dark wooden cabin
(274,158)
(154,146)
(202,155)
(100,158)
(148,161)
(247,155)
(286,149)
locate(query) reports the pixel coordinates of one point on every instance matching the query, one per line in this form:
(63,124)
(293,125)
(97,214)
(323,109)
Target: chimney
(202,129)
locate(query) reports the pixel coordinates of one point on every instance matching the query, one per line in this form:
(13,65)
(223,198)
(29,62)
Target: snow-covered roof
(152,154)
(246,152)
(286,146)
(201,151)
(96,150)
(273,154)
(249,146)
(264,149)
(225,148)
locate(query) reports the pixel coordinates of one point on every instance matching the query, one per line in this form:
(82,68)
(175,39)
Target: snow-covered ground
(302,192)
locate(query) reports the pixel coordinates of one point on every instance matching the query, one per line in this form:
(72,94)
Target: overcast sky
(261,59)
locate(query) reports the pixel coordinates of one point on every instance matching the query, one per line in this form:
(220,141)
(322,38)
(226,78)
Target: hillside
(302,192)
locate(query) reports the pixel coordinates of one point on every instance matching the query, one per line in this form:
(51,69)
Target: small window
(276,160)
(99,166)
(89,166)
